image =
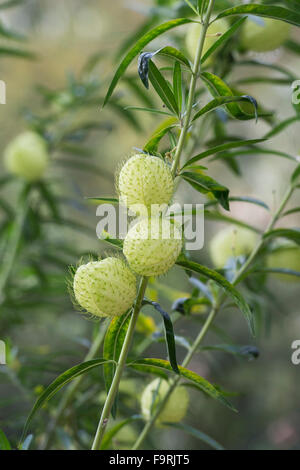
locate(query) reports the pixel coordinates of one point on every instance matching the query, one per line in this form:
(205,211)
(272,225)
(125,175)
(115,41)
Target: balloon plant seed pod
(231,242)
(152,246)
(215,30)
(264,34)
(27,156)
(144,182)
(105,288)
(176,407)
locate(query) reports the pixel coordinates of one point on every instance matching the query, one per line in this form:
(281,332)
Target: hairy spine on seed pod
(105,288)
(152,246)
(143,182)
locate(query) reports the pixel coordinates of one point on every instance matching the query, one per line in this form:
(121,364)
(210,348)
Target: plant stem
(74,386)
(214,311)
(11,248)
(120,367)
(193,83)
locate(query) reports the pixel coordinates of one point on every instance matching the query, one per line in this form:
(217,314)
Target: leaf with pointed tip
(196,434)
(162,88)
(222,148)
(282,126)
(58,383)
(221,101)
(169,334)
(230,290)
(205,184)
(138,47)
(111,433)
(269,11)
(289,234)
(231,31)
(152,144)
(201,383)
(4,442)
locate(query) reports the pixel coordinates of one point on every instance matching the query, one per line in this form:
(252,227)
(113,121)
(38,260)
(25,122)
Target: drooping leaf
(268,11)
(217,87)
(57,384)
(205,184)
(162,88)
(230,290)
(248,352)
(169,334)
(289,234)
(138,47)
(201,383)
(221,101)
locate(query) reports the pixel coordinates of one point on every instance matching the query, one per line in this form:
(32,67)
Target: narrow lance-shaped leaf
(169,334)
(177,84)
(201,383)
(269,11)
(196,434)
(152,144)
(4,442)
(205,184)
(221,101)
(231,31)
(221,148)
(138,47)
(162,88)
(289,234)
(222,282)
(111,433)
(57,384)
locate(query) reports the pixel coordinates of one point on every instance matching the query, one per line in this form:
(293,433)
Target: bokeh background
(44,341)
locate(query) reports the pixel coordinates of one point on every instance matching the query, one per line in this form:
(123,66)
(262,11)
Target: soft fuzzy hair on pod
(104,288)
(152,246)
(144,181)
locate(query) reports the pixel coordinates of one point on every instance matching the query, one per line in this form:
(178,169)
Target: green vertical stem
(120,367)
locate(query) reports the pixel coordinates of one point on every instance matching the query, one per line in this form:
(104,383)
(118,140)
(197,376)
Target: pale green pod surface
(193,34)
(286,256)
(27,156)
(105,288)
(231,242)
(145,181)
(152,246)
(176,407)
(264,34)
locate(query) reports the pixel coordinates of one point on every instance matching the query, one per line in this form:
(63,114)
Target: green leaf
(287,271)
(14,52)
(169,334)
(10,4)
(201,383)
(291,211)
(222,282)
(6,33)
(205,184)
(175,54)
(162,88)
(217,87)
(138,47)
(4,442)
(295,175)
(116,243)
(282,126)
(57,384)
(223,39)
(103,200)
(289,234)
(177,84)
(270,11)
(111,433)
(251,200)
(248,352)
(112,347)
(222,148)
(221,101)
(214,215)
(253,151)
(197,434)
(152,144)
